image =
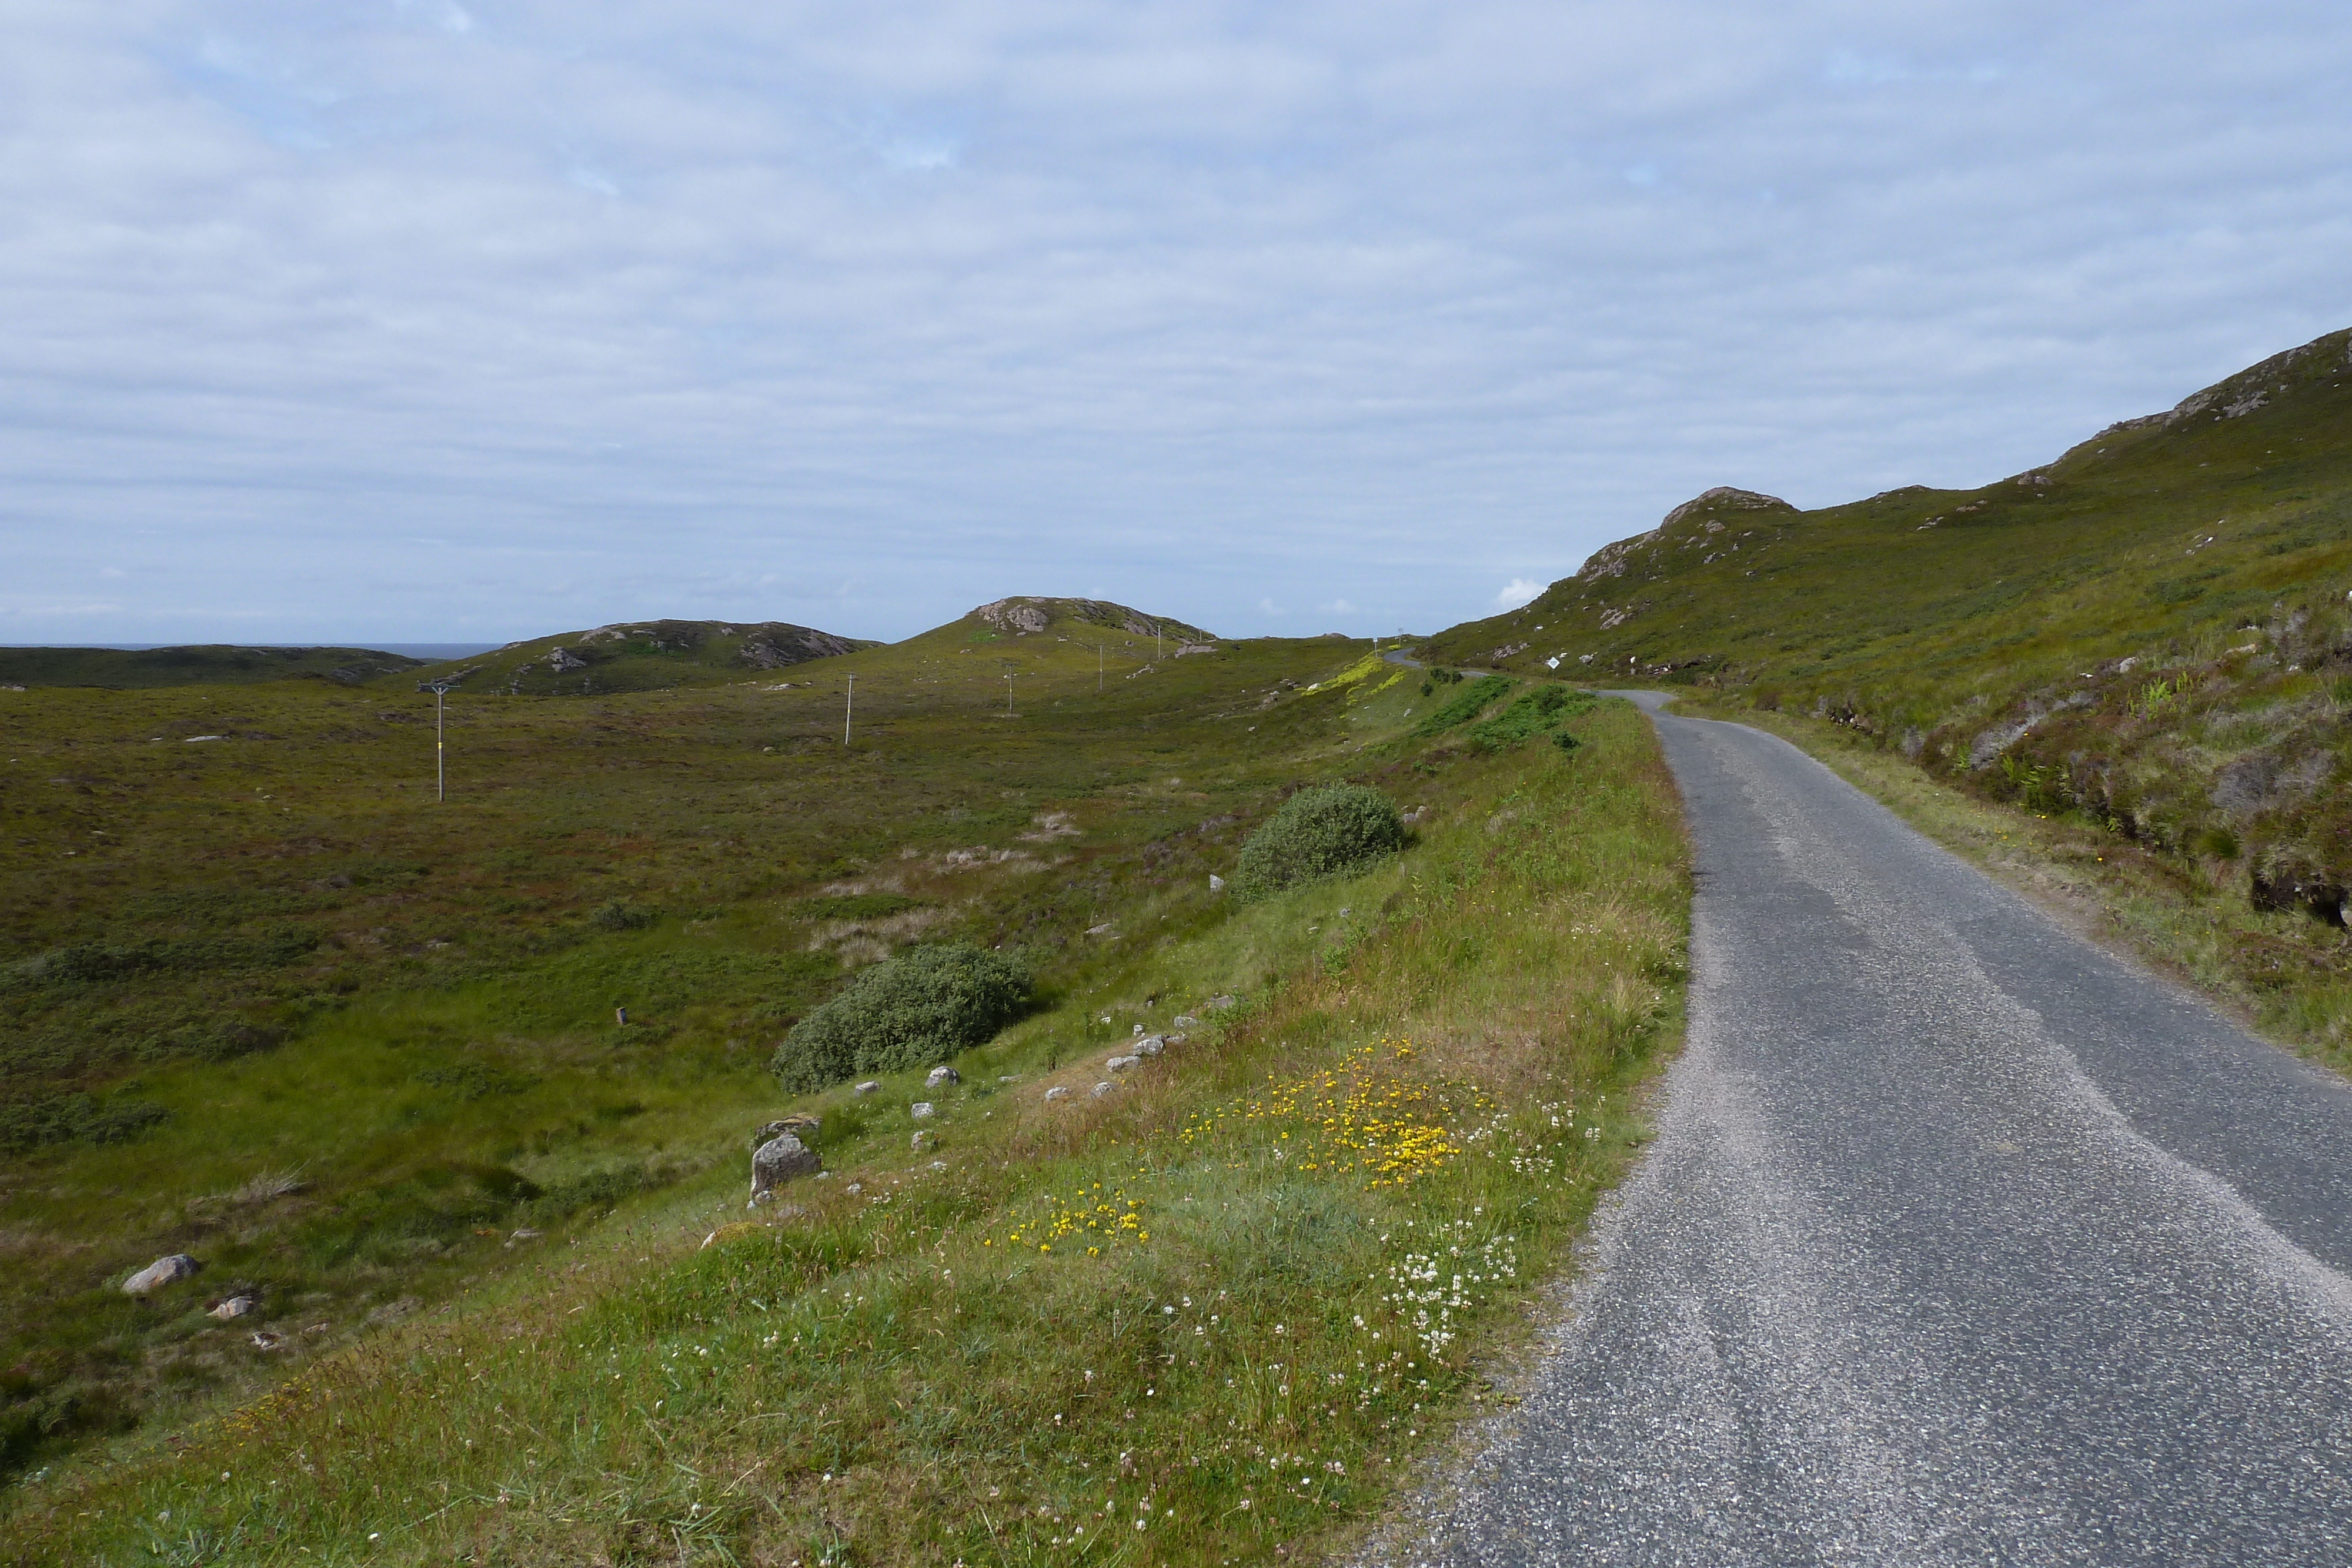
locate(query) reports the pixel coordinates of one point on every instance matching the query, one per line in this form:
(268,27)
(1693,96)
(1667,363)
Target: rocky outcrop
(777,1161)
(1026,615)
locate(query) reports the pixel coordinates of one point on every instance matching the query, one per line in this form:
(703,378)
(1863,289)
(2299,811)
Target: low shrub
(1473,699)
(1316,834)
(621,916)
(1532,714)
(913,1010)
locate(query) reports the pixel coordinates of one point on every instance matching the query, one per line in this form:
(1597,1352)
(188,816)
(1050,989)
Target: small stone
(525,1234)
(1151,1045)
(1177,1038)
(938,1165)
(1008,1077)
(1184,1020)
(853,1188)
(919,1109)
(1121,1064)
(169,1270)
(867,1088)
(923,1141)
(262,1339)
(1059,1092)
(778,1161)
(1101,1090)
(1105,929)
(1216,883)
(942,1076)
(235,1307)
(1345,912)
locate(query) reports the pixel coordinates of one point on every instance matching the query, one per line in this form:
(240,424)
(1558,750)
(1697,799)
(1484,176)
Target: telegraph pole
(440,690)
(1008,695)
(848,707)
(1098,666)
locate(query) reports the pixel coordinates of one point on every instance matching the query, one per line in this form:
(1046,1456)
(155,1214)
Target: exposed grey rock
(1219,1004)
(941,1076)
(1059,1092)
(1105,929)
(922,1141)
(1185,1021)
(778,1161)
(1151,1045)
(804,1128)
(1216,883)
(262,1339)
(1101,1090)
(938,1165)
(868,1087)
(919,1109)
(1176,1039)
(562,659)
(233,1308)
(1121,1064)
(169,1270)
(525,1234)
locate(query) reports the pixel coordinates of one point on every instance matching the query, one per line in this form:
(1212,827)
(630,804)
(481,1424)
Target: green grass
(2149,637)
(121,668)
(231,959)
(1344,1193)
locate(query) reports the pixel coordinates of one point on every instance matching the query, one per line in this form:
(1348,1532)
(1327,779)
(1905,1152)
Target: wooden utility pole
(848,707)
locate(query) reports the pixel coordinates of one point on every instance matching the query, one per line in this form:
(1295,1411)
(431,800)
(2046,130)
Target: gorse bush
(913,1010)
(1316,834)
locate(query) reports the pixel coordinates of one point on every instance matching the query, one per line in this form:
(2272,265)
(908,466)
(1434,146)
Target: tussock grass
(1207,1315)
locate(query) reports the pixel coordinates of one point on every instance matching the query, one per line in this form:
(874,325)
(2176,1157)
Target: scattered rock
(1184,1020)
(1105,929)
(777,1161)
(525,1234)
(262,1339)
(1121,1064)
(1008,1077)
(922,1142)
(1151,1045)
(938,1165)
(1101,1090)
(805,1128)
(1059,1092)
(941,1076)
(235,1307)
(1176,1039)
(919,1109)
(1219,1004)
(166,1271)
(1216,883)
(867,1088)
(853,1188)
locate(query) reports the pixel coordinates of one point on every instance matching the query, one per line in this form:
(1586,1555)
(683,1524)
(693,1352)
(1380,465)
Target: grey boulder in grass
(1324,832)
(927,1002)
(169,1270)
(778,1161)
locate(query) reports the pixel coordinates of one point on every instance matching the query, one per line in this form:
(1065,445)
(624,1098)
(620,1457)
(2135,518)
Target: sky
(477,320)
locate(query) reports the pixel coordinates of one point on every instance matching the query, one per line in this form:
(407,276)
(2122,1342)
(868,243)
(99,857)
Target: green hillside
(2150,631)
(125,669)
(640,656)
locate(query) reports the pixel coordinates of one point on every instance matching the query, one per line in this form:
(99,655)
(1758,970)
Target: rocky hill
(1026,616)
(2150,630)
(641,655)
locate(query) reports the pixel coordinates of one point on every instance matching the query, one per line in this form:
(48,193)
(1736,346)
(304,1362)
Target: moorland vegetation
(507,1305)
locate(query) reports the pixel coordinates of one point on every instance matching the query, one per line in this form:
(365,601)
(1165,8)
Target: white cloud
(1337,606)
(1518,592)
(948,301)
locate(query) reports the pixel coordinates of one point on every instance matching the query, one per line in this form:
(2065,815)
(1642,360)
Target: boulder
(1151,1045)
(778,1161)
(1059,1092)
(1101,1090)
(919,1109)
(868,1087)
(940,1077)
(166,1270)
(1121,1064)
(235,1307)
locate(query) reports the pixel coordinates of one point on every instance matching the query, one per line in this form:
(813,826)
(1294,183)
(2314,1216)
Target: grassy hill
(125,668)
(2151,633)
(640,656)
(358,1054)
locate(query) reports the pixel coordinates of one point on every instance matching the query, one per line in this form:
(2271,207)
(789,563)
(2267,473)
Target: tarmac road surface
(1960,1242)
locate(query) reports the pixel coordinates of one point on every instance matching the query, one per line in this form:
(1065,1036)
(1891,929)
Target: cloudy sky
(407,320)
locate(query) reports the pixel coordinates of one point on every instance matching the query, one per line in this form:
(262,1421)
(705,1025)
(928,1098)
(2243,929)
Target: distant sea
(428,651)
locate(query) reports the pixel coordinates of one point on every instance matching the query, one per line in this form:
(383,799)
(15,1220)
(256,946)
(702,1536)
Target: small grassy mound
(1534,713)
(1316,834)
(919,1008)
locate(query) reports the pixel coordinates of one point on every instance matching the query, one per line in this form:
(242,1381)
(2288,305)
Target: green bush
(1316,834)
(913,1010)
(1532,714)
(1473,699)
(621,916)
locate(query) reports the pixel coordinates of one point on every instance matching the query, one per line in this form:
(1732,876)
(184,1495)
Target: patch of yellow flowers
(1085,1218)
(1362,1118)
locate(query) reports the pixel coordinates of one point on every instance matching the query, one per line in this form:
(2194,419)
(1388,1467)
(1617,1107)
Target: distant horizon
(408,650)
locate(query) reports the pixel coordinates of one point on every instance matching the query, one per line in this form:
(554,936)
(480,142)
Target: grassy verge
(2281,971)
(1207,1315)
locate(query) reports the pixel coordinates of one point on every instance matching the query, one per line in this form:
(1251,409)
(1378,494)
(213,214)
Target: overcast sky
(405,319)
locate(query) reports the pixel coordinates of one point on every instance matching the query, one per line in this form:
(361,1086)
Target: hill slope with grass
(202,664)
(641,655)
(2150,630)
